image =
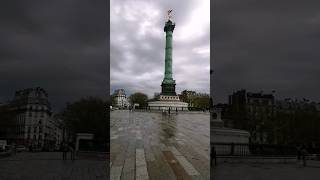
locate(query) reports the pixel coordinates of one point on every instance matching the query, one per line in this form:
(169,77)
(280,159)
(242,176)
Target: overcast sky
(62,46)
(266,45)
(137,43)
(58,45)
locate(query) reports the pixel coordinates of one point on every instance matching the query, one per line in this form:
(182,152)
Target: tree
(202,102)
(156,96)
(139,98)
(7,120)
(88,115)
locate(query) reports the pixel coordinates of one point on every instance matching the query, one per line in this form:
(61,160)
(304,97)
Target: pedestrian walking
(13,149)
(71,149)
(64,150)
(213,156)
(304,154)
(299,153)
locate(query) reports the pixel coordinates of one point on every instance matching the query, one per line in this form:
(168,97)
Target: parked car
(3,144)
(21,148)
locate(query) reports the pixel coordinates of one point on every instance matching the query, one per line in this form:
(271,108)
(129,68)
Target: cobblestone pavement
(150,145)
(228,171)
(49,166)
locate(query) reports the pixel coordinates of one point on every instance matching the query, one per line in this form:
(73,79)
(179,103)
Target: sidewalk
(261,171)
(49,165)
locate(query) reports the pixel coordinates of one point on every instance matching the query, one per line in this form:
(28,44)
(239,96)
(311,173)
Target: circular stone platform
(165,105)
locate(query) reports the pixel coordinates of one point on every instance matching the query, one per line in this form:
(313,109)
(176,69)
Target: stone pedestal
(166,104)
(168,89)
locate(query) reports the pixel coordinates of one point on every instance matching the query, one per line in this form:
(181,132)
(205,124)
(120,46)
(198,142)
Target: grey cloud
(266,45)
(143,70)
(60,46)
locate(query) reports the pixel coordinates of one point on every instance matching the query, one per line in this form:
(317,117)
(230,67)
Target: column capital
(169,26)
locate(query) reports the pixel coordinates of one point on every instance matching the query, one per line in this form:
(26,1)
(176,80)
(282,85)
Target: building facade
(120,99)
(252,112)
(34,124)
(187,96)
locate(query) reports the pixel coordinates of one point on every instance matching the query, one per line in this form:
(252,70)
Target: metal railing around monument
(243,150)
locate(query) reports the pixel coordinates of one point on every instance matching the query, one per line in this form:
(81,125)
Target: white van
(3,144)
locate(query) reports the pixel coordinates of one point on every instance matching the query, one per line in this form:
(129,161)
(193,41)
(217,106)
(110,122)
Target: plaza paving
(48,165)
(267,171)
(153,145)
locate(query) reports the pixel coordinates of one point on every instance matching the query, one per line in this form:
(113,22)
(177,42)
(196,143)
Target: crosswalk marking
(141,165)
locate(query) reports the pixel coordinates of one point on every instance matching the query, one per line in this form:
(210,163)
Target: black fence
(241,149)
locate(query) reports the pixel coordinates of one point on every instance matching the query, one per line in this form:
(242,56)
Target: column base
(168,89)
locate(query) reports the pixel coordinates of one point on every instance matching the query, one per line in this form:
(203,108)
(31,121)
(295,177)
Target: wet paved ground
(48,165)
(147,145)
(270,171)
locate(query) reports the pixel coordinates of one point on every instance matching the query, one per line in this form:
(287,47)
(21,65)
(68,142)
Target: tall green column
(168,56)
(168,84)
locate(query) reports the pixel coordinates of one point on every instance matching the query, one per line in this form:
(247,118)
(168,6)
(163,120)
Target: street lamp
(39,123)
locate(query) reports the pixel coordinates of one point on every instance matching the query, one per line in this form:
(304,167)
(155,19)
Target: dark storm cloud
(58,45)
(265,46)
(137,45)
